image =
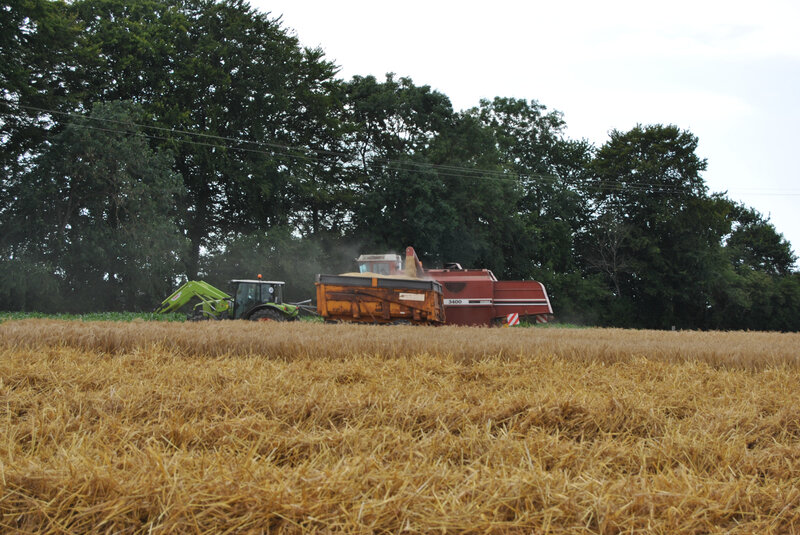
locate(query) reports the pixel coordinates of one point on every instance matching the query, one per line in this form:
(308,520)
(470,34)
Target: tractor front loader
(256,300)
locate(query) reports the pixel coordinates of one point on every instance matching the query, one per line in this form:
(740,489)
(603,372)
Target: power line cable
(459,171)
(444,174)
(462,171)
(280,151)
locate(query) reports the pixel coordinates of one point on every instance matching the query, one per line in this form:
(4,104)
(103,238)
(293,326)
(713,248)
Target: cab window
(270,293)
(246,298)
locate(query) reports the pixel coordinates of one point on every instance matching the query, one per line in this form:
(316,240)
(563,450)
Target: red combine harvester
(471,296)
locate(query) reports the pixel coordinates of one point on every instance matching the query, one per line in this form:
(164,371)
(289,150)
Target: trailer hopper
(374,298)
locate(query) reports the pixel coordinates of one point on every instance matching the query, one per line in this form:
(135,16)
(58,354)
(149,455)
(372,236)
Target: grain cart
(367,297)
(256,300)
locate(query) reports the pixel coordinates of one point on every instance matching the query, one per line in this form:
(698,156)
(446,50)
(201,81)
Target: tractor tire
(267,314)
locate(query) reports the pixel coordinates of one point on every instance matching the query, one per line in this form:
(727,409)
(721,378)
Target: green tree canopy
(656,233)
(209,75)
(142,142)
(755,243)
(99,207)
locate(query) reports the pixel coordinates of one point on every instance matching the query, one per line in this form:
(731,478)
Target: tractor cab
(382,264)
(248,294)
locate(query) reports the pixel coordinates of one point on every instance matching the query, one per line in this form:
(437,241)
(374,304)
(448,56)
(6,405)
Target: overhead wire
(284,151)
(456,171)
(441,169)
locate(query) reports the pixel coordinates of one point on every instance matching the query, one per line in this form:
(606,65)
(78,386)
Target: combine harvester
(472,296)
(469,296)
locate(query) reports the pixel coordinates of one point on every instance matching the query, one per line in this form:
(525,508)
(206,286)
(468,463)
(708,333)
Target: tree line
(143,143)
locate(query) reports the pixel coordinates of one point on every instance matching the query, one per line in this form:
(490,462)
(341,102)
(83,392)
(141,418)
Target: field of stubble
(242,427)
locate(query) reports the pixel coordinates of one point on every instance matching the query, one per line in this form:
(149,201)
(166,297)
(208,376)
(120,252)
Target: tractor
(256,300)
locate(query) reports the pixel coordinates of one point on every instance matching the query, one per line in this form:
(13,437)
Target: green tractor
(256,300)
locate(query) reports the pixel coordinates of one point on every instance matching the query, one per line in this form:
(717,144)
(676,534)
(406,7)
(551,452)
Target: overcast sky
(729,72)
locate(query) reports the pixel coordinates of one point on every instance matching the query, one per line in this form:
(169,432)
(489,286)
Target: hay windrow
(149,428)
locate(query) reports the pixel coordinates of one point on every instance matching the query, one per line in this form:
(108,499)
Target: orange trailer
(374,298)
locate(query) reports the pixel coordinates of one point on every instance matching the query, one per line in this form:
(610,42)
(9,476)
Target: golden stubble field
(247,428)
